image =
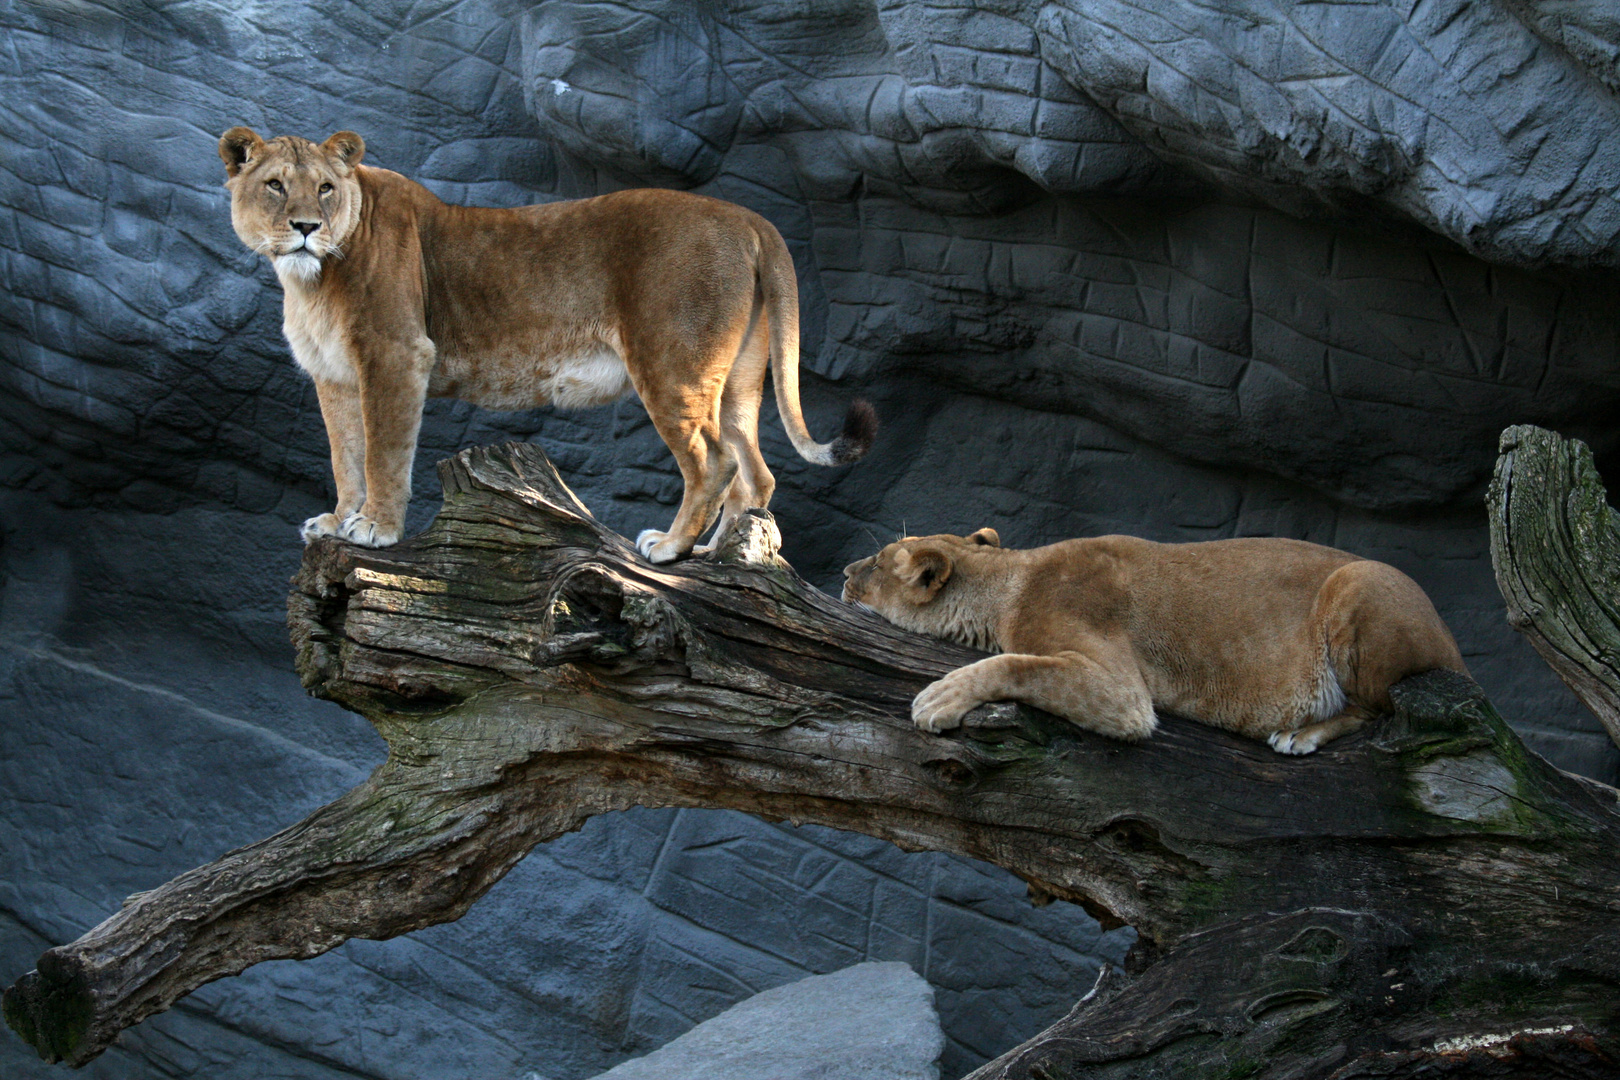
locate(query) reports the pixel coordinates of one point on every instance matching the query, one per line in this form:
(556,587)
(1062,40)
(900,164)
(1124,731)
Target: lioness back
(555,281)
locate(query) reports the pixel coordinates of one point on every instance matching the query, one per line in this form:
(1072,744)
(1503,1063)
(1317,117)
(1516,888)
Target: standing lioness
(392,296)
(1277,639)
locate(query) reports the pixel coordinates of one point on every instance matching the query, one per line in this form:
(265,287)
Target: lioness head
(905,577)
(291,200)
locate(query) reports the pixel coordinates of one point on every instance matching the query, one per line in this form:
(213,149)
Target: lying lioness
(391,296)
(1277,639)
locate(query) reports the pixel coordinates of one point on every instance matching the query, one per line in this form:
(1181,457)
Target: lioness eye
(274,185)
(326,189)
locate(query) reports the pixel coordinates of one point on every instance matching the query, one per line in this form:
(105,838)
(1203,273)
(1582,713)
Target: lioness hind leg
(1380,627)
(744,494)
(1307,739)
(753,485)
(684,380)
(707,467)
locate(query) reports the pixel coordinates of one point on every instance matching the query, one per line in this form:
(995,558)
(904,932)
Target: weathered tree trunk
(1555,544)
(1422,897)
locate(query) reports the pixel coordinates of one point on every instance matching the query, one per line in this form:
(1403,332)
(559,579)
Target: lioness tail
(782,311)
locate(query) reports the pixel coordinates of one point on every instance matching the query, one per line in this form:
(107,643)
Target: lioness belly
(1253,700)
(594,375)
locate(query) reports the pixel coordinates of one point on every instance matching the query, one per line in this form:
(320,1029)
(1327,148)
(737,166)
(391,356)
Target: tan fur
(391,296)
(1275,639)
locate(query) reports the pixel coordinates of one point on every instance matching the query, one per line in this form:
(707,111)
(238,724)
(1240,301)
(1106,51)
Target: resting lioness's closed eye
(391,296)
(1276,639)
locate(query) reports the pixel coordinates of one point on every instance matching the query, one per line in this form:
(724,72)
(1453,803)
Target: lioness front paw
(319,526)
(359,529)
(657,547)
(942,704)
(1294,742)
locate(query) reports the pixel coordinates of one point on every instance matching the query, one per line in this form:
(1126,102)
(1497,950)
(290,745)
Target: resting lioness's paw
(657,547)
(322,525)
(1293,742)
(359,529)
(942,704)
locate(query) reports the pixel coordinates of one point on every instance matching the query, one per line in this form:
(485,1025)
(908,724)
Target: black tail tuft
(860,431)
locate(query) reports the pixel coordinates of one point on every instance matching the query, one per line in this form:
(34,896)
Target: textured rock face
(1061,247)
(1227,335)
(1494,125)
(1588,30)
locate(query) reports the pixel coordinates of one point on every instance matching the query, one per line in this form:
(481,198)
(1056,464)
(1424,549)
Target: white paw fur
(656,547)
(1293,742)
(359,529)
(319,526)
(943,703)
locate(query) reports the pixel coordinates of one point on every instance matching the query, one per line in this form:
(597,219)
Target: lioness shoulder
(1275,639)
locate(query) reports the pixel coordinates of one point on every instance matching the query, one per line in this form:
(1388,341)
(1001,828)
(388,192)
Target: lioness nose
(306,227)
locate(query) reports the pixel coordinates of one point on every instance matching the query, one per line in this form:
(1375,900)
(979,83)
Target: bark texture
(1422,898)
(1555,545)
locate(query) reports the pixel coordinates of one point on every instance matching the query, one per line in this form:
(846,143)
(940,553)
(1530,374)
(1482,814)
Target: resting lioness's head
(904,583)
(291,200)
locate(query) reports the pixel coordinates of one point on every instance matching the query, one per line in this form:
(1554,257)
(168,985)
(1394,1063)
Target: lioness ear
(238,147)
(347,146)
(927,568)
(986,536)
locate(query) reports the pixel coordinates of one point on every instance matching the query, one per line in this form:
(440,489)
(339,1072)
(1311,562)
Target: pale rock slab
(872,1021)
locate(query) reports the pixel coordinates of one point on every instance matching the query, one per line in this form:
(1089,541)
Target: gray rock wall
(1178,271)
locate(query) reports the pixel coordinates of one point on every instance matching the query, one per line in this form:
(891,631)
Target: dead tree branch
(1555,544)
(1423,895)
